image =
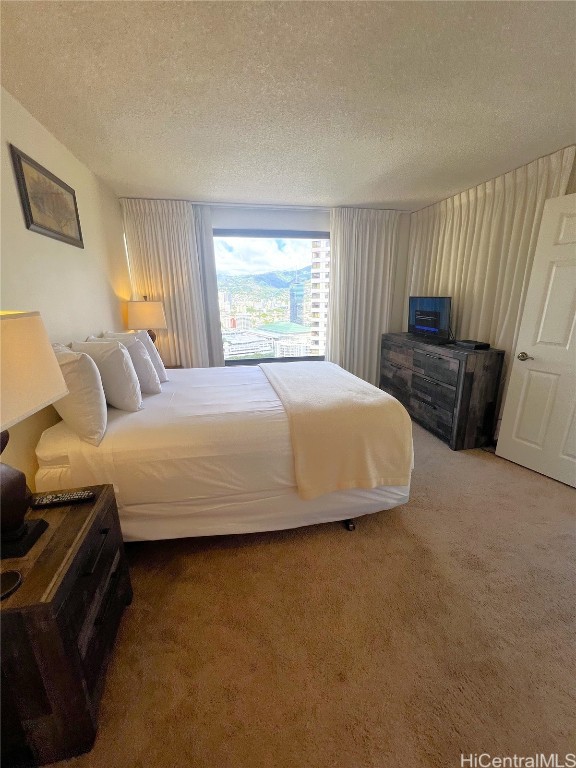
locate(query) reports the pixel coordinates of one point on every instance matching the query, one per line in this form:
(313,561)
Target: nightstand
(58,629)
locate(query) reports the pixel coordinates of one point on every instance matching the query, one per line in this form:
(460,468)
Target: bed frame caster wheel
(350,525)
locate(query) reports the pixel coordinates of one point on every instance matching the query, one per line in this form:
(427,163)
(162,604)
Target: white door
(538,427)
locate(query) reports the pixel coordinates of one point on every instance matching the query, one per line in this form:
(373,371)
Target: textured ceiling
(387,104)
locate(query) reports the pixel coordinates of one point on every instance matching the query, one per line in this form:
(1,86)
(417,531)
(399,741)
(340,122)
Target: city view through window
(273,295)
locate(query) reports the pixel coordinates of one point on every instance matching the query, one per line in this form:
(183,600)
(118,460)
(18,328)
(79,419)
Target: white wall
(77,291)
(264,217)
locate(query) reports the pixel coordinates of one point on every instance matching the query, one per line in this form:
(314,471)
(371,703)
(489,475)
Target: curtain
(363,244)
(171,258)
(478,247)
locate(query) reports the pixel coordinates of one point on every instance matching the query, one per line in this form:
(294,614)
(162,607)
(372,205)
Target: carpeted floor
(435,629)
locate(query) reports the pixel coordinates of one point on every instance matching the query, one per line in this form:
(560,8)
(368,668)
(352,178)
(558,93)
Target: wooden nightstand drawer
(94,562)
(58,629)
(99,637)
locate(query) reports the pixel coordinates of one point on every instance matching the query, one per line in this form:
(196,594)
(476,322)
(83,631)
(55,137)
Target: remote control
(61,497)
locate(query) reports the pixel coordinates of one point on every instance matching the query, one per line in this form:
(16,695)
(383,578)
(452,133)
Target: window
(265,294)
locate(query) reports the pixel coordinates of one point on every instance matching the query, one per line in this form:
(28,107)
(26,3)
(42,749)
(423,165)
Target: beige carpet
(441,627)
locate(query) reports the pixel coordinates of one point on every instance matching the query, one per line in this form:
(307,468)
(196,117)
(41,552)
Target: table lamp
(30,379)
(146,314)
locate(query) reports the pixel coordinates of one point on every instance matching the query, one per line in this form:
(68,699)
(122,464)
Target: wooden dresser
(58,629)
(449,390)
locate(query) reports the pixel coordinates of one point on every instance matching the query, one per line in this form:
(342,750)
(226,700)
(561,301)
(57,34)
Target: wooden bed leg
(350,525)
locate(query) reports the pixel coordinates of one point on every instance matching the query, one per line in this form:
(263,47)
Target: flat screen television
(430,316)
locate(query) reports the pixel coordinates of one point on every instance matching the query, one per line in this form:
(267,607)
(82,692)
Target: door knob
(523,356)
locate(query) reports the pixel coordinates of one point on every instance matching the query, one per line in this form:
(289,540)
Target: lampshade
(146,314)
(30,377)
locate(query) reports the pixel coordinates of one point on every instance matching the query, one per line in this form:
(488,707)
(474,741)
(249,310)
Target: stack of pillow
(115,369)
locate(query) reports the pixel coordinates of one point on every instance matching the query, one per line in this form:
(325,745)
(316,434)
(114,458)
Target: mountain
(285,278)
(279,279)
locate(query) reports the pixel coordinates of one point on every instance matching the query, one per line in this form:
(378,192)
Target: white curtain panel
(171,257)
(363,244)
(478,247)
(204,237)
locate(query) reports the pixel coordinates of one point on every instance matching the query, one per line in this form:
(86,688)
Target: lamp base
(33,529)
(17,534)
(152,335)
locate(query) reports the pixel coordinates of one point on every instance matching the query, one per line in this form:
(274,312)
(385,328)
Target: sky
(257,255)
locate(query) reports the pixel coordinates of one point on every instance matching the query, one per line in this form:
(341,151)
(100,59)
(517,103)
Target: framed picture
(48,203)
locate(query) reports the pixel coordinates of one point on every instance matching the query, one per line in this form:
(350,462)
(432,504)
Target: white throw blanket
(345,432)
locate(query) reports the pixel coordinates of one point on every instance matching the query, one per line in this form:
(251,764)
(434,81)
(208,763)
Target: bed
(213,454)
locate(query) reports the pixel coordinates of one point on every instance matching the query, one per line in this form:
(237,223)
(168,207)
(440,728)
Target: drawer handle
(90,570)
(435,357)
(110,592)
(394,365)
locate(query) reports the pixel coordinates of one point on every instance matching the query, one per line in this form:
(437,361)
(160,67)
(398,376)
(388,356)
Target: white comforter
(209,455)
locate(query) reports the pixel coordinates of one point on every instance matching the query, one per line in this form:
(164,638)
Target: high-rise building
(297,302)
(319,295)
(224,301)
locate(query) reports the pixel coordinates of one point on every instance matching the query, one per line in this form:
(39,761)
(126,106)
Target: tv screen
(429,316)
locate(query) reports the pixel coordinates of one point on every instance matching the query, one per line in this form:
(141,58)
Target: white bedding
(345,433)
(209,455)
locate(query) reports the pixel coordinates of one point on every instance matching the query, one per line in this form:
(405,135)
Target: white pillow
(119,379)
(150,348)
(84,407)
(147,376)
(144,367)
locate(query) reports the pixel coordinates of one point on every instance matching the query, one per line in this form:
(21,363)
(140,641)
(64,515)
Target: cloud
(257,255)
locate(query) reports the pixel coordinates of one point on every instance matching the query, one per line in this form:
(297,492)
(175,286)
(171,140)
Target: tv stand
(449,390)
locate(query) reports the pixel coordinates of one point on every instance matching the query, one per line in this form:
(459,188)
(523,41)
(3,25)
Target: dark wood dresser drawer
(403,382)
(435,419)
(430,391)
(396,379)
(396,354)
(437,367)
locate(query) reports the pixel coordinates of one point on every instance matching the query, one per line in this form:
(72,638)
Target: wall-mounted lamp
(146,314)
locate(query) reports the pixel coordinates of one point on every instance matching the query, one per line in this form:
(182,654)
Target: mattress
(209,455)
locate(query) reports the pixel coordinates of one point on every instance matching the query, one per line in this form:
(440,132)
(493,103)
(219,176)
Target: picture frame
(49,205)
